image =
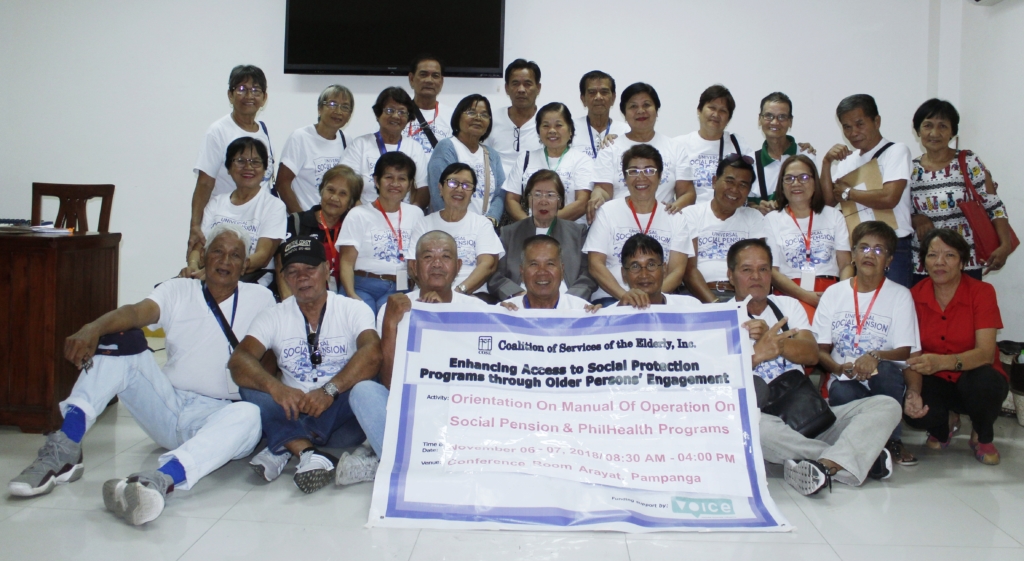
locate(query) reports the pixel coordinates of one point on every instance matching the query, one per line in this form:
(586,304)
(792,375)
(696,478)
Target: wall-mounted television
(381,37)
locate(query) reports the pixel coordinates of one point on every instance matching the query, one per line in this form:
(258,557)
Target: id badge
(402,278)
(807,277)
(332,283)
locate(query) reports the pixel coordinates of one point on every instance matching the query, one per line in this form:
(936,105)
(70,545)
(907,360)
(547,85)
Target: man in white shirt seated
(716,225)
(324,344)
(597,129)
(189,407)
(643,269)
(858,114)
(541,271)
(426,78)
(853,447)
(513,129)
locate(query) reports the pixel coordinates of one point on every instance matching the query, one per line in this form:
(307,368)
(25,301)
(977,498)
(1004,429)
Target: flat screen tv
(382,37)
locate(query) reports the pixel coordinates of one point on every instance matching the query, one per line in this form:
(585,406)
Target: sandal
(900,454)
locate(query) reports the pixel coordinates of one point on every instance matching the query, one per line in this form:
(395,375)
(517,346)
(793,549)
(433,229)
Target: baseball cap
(303,250)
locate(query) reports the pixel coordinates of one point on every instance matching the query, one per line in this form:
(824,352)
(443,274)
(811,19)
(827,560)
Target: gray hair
(435,235)
(228,228)
(332,91)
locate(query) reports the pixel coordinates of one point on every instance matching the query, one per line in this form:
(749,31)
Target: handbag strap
(523,203)
(778,313)
(217,313)
(883,149)
(425,127)
(344,143)
(968,185)
(760,175)
(487,179)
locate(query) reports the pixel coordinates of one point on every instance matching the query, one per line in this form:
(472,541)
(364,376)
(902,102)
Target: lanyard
(637,218)
(314,345)
(551,228)
(526,302)
(807,238)
(332,252)
(856,309)
(217,313)
(557,163)
(397,234)
(380,144)
(590,131)
(430,122)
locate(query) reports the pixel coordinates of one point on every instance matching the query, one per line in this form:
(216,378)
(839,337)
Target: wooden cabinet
(50,285)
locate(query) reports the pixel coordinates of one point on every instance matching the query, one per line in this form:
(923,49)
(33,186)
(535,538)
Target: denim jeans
(374,292)
(202,432)
(889,381)
(901,269)
(336,427)
(369,401)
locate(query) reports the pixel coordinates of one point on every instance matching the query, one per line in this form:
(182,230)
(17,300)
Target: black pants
(979,394)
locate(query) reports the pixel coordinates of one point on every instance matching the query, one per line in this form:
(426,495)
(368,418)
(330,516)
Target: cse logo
(706,507)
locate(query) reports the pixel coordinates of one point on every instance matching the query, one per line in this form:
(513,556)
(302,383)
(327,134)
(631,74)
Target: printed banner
(627,421)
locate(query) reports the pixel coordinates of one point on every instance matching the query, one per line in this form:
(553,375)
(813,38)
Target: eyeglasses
(335,106)
(484,116)
(544,195)
(791,179)
(248,162)
(651,266)
(315,358)
(456,184)
(780,118)
(393,111)
(633,172)
(866,249)
(242,91)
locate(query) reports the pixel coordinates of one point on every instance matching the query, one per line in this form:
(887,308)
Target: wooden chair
(71,213)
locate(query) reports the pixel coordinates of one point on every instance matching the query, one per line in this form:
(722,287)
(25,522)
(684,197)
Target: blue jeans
(369,401)
(889,381)
(374,292)
(337,427)
(901,270)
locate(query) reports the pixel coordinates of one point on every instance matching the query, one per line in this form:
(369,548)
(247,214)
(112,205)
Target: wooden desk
(50,285)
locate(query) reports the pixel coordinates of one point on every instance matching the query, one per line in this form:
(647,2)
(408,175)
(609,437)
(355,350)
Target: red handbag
(986,239)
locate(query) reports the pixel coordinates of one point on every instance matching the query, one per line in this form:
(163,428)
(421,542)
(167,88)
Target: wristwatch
(846,193)
(330,389)
(959,363)
(461,288)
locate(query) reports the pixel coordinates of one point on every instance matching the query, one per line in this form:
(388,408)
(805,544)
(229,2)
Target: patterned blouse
(936,194)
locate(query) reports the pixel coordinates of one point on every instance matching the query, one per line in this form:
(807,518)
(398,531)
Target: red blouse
(951,331)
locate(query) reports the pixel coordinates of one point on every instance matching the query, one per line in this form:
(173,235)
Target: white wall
(990,115)
(121,92)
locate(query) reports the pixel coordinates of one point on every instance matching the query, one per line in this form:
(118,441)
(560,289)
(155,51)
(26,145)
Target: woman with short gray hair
(312,150)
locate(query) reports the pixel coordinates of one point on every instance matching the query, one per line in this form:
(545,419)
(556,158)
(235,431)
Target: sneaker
(138,498)
(269,465)
(985,453)
(59,461)
(807,476)
(314,471)
(882,468)
(900,454)
(356,467)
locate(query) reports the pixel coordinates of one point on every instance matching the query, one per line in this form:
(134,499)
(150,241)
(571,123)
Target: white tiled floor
(948,507)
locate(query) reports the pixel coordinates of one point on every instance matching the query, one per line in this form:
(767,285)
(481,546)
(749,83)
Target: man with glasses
(426,78)
(324,344)
(597,129)
(716,225)
(643,269)
(514,130)
(187,406)
(775,119)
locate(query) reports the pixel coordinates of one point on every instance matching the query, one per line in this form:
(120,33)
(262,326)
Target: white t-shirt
(438,119)
(615,223)
(474,235)
(263,216)
(797,319)
(197,349)
(574,168)
(414,295)
(309,156)
(282,329)
(366,230)
(590,143)
(213,150)
(895,164)
(510,140)
(789,250)
(771,171)
(565,302)
(700,160)
(608,166)
(476,161)
(363,153)
(714,237)
(891,324)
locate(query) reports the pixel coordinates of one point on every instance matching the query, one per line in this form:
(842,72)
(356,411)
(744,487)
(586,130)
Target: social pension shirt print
(322,164)
(872,337)
(385,245)
(704,168)
(822,242)
(295,358)
(622,234)
(715,245)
